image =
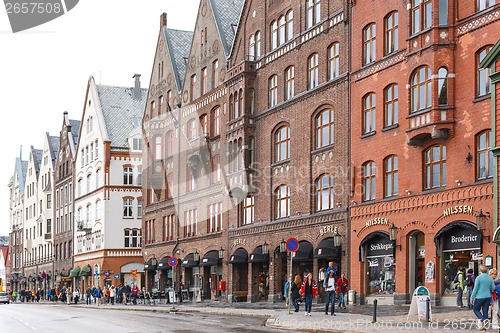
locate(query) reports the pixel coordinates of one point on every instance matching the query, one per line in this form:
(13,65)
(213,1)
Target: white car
(4,298)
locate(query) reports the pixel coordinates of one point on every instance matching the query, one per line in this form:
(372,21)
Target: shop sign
(373,263)
(380,246)
(327,229)
(458,210)
(377,221)
(460,238)
(239,241)
(477,256)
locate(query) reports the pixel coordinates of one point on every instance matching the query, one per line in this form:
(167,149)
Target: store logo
(380,246)
(25,15)
(463,238)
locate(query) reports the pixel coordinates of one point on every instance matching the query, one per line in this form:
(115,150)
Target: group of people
(62,294)
(483,292)
(307,289)
(124,294)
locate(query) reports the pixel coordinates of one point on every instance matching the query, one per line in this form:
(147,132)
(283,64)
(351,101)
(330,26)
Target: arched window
(236,106)
(257,45)
(192,132)
(282,201)
(369,43)
(443,86)
(483,74)
(391,105)
(391,176)
(289,82)
(369,113)
(273,90)
(421,89)
(391,32)
(313,12)
(313,70)
(435,167)
(484,155)
(203,124)
(216,121)
(282,144)
(333,61)
(251,47)
(289,25)
(325,128)
(281,30)
(369,171)
(325,192)
(274,35)
(248,209)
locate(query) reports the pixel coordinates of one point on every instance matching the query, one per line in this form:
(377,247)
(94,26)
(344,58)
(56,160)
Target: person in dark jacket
(470,286)
(297,282)
(310,290)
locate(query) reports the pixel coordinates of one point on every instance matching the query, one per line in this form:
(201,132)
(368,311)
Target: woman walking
(310,290)
(295,292)
(481,297)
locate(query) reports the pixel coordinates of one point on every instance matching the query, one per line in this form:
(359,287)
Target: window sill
(390,127)
(323,149)
(481,98)
(366,135)
(419,112)
(280,163)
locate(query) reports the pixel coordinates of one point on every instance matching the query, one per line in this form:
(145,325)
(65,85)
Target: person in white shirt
(330,285)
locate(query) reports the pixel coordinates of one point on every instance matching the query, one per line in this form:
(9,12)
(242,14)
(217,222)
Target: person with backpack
(470,278)
(481,297)
(460,285)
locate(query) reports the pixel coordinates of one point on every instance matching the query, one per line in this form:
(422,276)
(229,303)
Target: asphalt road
(53,318)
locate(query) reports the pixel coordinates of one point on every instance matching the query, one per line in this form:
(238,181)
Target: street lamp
(481,223)
(393,232)
(265,248)
(337,237)
(196,255)
(282,246)
(153,261)
(221,253)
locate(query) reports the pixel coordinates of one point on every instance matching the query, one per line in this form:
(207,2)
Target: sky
(44,70)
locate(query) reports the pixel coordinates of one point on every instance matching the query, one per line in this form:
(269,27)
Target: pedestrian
(14,296)
(309,290)
(105,295)
(342,285)
(76,295)
(494,299)
(331,267)
(329,285)
(88,294)
(135,293)
(97,295)
(112,294)
(297,282)
(470,278)
(481,297)
(286,291)
(69,295)
(460,285)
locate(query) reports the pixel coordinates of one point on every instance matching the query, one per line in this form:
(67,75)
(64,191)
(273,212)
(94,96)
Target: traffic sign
(172,261)
(116,276)
(292,244)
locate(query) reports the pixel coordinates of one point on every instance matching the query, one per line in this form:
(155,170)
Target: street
(20,318)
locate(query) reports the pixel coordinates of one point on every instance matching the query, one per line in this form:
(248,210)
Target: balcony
(84,225)
(429,124)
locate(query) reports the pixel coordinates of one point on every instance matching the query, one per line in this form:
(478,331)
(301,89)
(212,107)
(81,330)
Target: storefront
(239,278)
(150,271)
(260,274)
(132,273)
(165,271)
(212,274)
(325,253)
(191,279)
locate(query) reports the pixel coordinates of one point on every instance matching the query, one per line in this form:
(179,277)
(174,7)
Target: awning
(163,264)
(443,244)
(148,266)
(496,236)
(257,256)
(85,271)
(240,256)
(304,252)
(74,272)
(326,250)
(189,261)
(210,259)
(366,240)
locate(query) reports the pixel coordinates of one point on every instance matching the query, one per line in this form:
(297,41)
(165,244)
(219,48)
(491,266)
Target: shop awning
(148,266)
(304,252)
(85,271)
(326,250)
(466,236)
(210,259)
(240,256)
(74,272)
(496,236)
(163,264)
(189,261)
(369,239)
(257,256)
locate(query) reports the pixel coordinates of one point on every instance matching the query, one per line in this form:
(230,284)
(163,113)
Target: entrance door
(416,259)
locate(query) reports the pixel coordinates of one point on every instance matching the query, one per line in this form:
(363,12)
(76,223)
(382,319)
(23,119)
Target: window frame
(391,176)
(391,32)
(369,181)
(428,183)
(281,142)
(323,191)
(483,81)
(369,103)
(487,153)
(334,61)
(273,91)
(282,200)
(312,71)
(369,43)
(391,105)
(320,127)
(417,84)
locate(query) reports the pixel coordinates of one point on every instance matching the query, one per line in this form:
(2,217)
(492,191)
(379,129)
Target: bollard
(374,311)
(428,310)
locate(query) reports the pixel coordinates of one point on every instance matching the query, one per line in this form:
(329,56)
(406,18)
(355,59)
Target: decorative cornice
(477,22)
(380,65)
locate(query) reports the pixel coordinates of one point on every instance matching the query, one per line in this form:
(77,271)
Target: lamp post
(221,253)
(282,246)
(481,223)
(337,238)
(393,235)
(265,248)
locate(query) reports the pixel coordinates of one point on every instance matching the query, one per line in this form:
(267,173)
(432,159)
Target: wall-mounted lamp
(481,223)
(468,158)
(265,248)
(354,202)
(408,192)
(337,237)
(393,235)
(459,182)
(282,246)
(339,205)
(221,253)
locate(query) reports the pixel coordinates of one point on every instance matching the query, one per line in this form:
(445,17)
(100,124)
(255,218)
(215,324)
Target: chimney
(65,116)
(163,20)
(136,94)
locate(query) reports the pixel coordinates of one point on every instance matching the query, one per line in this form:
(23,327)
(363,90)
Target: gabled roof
(20,172)
(179,44)
(37,159)
(75,129)
(227,15)
(54,142)
(119,110)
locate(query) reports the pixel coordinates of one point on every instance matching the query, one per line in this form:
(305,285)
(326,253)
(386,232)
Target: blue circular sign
(172,261)
(292,244)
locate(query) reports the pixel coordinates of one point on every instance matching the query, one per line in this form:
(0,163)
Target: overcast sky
(44,70)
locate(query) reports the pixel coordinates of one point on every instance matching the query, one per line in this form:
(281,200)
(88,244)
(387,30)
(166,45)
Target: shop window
(380,266)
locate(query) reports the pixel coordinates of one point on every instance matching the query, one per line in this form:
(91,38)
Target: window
(152,108)
(391,33)
(133,238)
(273,91)
(435,167)
(313,11)
(391,176)
(289,25)
(214,218)
(281,30)
(325,128)
(289,82)
(313,69)
(369,181)
(216,169)
(193,93)
(158,148)
(49,201)
(169,227)
(204,87)
(443,86)
(204,124)
(190,180)
(127,208)
(137,144)
(282,201)
(169,144)
(369,43)
(443,12)
(79,187)
(333,61)
(49,226)
(216,121)
(87,155)
(97,178)
(190,222)
(88,213)
(128,176)
(282,144)
(274,35)
(248,209)
(369,113)
(191,129)
(98,210)
(257,45)
(251,47)
(421,89)
(139,208)
(92,151)
(483,4)
(169,100)
(325,193)
(421,15)
(251,151)
(483,74)
(139,175)
(96,150)
(215,73)
(391,105)
(484,156)
(88,182)
(160,104)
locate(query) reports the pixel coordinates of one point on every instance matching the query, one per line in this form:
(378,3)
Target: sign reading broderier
(460,238)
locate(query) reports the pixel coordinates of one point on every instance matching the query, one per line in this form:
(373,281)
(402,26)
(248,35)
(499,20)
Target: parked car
(4,298)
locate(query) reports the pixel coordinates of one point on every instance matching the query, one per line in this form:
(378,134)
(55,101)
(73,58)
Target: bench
(240,296)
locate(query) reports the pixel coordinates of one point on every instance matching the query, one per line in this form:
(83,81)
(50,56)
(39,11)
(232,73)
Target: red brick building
(420,145)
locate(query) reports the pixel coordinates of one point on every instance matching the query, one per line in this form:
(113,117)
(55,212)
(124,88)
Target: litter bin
(170,293)
(351,297)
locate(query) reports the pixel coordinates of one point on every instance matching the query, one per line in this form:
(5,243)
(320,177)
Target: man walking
(88,294)
(329,285)
(342,285)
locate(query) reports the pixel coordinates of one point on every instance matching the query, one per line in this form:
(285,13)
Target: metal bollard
(428,309)
(374,311)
